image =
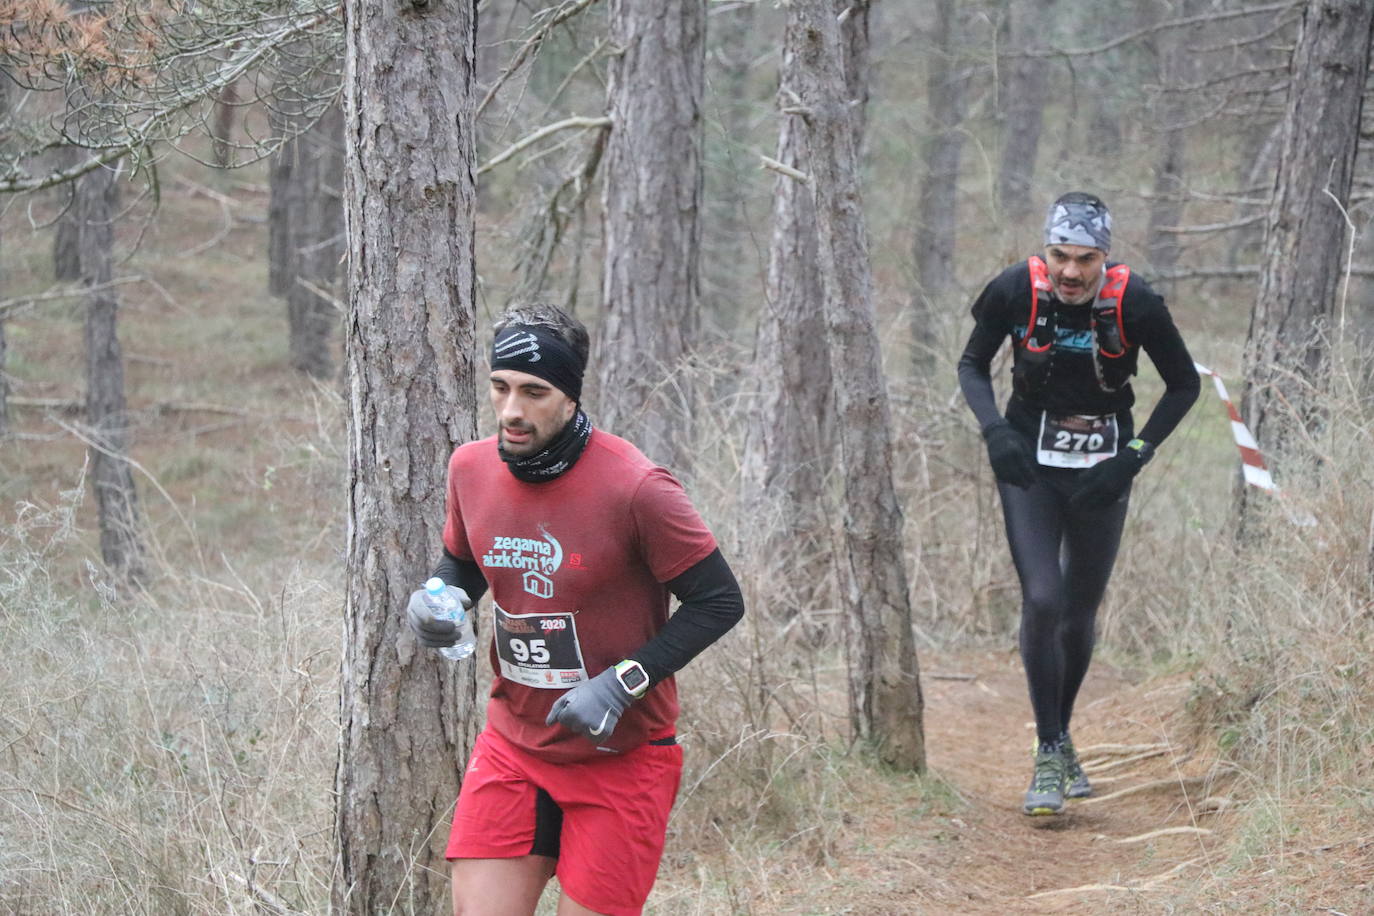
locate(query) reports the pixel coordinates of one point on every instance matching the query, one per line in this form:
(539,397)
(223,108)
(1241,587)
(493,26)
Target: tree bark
(316,240)
(651,204)
(884,678)
(222,126)
(1170,186)
(409,717)
(282,205)
(789,442)
(935,239)
(1287,351)
(729,282)
(107,421)
(66,240)
(4,377)
(1027,90)
(4,384)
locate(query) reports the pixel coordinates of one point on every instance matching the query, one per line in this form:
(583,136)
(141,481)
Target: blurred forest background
(192,346)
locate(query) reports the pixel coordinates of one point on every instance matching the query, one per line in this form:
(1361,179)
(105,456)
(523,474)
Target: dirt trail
(1100,856)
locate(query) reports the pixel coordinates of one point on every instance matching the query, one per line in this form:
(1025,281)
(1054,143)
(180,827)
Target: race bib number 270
(539,650)
(1075,441)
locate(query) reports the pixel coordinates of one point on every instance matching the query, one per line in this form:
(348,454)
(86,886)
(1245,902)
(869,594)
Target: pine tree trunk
(4,378)
(786,445)
(316,233)
(884,677)
(651,205)
(4,386)
(107,421)
(1027,90)
(409,716)
(1170,187)
(222,126)
(729,283)
(789,442)
(936,235)
(1287,352)
(66,240)
(282,207)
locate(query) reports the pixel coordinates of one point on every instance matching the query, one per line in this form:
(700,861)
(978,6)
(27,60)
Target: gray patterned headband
(1079,219)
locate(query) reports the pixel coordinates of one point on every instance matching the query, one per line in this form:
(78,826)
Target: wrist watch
(1143,450)
(632,677)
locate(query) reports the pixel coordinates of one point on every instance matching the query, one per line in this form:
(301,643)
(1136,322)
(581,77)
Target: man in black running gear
(1066,451)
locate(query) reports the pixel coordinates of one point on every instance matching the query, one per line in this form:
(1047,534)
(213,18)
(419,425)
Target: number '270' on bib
(1076,441)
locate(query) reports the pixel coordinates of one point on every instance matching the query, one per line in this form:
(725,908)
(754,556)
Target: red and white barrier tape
(1251,461)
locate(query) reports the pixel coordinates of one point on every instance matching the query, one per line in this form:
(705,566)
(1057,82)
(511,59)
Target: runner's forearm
(711,604)
(1181,384)
(464,574)
(975,379)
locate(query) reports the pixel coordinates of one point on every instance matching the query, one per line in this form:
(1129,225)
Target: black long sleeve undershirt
(464,574)
(711,603)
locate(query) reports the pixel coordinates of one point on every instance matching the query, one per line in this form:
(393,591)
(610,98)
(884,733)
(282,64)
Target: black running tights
(1064,559)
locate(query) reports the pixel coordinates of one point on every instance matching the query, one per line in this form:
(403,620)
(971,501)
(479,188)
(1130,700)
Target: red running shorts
(613,811)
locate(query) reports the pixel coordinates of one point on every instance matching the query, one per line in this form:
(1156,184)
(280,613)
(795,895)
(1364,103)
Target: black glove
(430,631)
(1104,483)
(592,709)
(1013,460)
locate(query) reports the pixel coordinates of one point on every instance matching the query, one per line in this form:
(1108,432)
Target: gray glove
(592,709)
(431,632)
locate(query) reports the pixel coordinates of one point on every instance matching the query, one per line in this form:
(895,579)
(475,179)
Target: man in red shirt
(581,540)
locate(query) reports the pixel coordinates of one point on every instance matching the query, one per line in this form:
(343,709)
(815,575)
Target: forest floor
(1160,834)
(1103,854)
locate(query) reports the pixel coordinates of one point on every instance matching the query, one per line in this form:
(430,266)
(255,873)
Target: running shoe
(1046,792)
(1078,785)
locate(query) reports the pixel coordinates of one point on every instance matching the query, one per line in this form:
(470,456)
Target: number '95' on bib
(1076,441)
(539,650)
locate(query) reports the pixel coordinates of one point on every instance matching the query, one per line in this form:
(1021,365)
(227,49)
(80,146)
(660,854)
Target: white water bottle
(444,605)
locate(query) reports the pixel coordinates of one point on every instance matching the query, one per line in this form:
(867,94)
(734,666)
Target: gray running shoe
(1046,792)
(1079,787)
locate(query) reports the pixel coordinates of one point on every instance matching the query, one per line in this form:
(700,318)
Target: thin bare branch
(574,123)
(1213,227)
(1136,34)
(134,78)
(1157,785)
(11,307)
(767,162)
(563,13)
(1164,831)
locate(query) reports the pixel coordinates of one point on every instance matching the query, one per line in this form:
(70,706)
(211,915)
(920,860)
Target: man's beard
(1085,295)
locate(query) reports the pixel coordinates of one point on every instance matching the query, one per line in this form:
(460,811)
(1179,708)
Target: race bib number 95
(1074,441)
(539,650)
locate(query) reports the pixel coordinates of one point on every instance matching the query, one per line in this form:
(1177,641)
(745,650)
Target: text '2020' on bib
(1075,441)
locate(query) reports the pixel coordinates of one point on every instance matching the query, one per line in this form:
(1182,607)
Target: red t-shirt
(576,567)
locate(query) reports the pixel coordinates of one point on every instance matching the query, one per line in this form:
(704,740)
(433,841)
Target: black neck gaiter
(562,453)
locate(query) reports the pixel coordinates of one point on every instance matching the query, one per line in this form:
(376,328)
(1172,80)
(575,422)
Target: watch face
(633,678)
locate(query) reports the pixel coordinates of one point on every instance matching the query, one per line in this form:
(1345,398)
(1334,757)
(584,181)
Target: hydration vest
(1031,373)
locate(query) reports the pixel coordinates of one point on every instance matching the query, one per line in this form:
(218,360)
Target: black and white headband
(539,352)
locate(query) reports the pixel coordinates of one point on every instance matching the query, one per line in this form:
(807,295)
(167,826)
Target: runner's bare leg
(500,887)
(570,907)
